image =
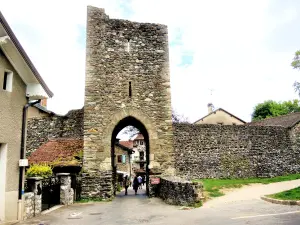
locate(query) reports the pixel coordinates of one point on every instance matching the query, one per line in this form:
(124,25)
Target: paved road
(139,209)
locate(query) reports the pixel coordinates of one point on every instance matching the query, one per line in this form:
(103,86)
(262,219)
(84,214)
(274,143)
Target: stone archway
(123,83)
(129,121)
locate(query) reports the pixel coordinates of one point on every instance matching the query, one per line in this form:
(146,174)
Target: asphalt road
(139,209)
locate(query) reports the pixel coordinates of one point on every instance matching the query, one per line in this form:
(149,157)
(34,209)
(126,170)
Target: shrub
(37,170)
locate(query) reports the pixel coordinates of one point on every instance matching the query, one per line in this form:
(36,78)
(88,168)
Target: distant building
(288,121)
(219,116)
(139,156)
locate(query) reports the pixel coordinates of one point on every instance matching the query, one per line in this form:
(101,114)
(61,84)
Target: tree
(178,118)
(271,108)
(296,65)
(131,131)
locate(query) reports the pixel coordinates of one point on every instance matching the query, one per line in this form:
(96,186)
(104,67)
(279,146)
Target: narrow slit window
(130,92)
(7,81)
(128,45)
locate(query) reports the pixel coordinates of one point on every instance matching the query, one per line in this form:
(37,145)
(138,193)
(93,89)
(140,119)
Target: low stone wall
(177,191)
(97,185)
(32,205)
(214,151)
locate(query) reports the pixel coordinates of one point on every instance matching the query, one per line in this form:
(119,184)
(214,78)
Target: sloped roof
(44,109)
(139,137)
(61,151)
(127,144)
(286,121)
(220,109)
(129,150)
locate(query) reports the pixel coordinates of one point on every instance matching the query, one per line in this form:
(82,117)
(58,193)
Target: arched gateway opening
(127,83)
(130,121)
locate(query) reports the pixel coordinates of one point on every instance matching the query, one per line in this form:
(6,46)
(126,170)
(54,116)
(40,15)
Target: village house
(21,86)
(219,116)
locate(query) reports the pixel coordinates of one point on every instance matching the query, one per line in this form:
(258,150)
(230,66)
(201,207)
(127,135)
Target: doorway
(137,151)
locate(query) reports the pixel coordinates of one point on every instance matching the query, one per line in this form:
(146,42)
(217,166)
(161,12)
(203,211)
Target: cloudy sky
(242,49)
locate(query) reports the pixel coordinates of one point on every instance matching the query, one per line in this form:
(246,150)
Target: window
(130,92)
(220,123)
(233,123)
(141,142)
(127,48)
(119,158)
(7,81)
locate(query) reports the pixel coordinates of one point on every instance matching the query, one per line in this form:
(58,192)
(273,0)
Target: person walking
(140,181)
(143,180)
(135,184)
(126,184)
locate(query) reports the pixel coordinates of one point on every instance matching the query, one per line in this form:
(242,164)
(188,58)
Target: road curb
(281,202)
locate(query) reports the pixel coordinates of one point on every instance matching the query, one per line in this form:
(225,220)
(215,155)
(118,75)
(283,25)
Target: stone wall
(177,191)
(214,151)
(40,130)
(97,185)
(32,205)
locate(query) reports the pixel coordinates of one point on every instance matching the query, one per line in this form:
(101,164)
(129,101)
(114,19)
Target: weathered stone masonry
(40,130)
(204,151)
(121,55)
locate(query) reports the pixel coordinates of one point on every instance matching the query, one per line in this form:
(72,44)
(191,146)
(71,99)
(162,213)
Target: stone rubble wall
(40,130)
(32,205)
(177,191)
(97,184)
(214,151)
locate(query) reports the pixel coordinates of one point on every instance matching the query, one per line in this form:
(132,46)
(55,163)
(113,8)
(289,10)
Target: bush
(39,171)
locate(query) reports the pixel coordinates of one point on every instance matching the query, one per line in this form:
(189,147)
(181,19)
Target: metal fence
(50,192)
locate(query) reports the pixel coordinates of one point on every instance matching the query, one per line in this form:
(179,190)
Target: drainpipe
(22,151)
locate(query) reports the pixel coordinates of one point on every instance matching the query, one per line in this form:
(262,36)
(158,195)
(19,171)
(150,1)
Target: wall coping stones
(63,174)
(279,201)
(34,178)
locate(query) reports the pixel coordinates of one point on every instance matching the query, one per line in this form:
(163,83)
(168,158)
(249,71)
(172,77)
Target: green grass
(85,200)
(293,194)
(213,186)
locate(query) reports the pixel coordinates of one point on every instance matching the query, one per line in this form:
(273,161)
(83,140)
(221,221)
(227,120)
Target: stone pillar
(33,199)
(66,192)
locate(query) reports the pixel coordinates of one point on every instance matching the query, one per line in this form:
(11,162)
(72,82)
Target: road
(139,209)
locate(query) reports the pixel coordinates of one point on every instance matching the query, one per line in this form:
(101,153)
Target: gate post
(66,192)
(35,186)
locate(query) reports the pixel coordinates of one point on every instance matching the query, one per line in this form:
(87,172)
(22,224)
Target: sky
(241,50)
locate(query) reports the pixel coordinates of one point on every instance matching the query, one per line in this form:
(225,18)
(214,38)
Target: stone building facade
(127,83)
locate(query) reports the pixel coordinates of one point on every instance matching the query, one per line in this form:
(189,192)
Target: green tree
(296,65)
(271,108)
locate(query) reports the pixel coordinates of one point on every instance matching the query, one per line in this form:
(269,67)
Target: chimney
(210,107)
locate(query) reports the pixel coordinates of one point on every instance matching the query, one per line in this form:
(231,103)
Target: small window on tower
(128,45)
(130,92)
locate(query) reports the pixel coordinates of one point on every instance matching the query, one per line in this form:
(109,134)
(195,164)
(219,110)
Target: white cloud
(229,42)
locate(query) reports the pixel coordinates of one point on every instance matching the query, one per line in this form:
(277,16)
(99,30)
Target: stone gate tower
(127,76)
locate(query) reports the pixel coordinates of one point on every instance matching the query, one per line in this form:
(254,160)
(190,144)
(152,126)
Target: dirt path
(253,191)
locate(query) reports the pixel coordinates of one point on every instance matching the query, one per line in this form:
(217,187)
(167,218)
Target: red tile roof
(58,152)
(286,121)
(128,144)
(139,137)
